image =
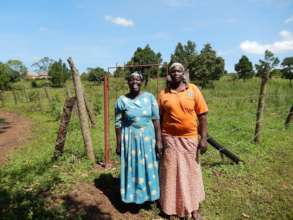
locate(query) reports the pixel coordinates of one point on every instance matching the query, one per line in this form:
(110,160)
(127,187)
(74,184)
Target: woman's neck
(178,86)
(133,94)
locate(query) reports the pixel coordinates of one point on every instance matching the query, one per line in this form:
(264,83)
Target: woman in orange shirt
(183,113)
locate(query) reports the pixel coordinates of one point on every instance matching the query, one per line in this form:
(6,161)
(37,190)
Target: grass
(261,188)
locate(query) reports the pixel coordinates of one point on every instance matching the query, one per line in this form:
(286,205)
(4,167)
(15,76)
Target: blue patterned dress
(139,179)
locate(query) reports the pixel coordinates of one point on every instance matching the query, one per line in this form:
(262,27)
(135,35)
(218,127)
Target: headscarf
(176,64)
(135,74)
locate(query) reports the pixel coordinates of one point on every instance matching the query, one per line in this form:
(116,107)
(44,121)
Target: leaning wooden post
(90,114)
(260,106)
(106,122)
(82,112)
(289,117)
(65,119)
(14,96)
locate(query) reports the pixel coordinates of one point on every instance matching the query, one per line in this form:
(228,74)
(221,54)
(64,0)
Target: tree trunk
(82,112)
(260,108)
(60,141)
(289,117)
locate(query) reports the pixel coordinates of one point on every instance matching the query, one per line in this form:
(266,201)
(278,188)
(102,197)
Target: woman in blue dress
(139,145)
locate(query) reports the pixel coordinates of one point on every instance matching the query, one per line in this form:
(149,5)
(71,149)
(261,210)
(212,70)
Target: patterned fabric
(139,179)
(181,179)
(179,111)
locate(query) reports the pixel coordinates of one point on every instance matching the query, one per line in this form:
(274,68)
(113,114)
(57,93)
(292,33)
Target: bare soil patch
(14,131)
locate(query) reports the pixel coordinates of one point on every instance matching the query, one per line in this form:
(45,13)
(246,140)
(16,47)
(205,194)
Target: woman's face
(134,83)
(176,74)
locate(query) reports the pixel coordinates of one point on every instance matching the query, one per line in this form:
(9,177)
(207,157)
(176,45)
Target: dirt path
(14,131)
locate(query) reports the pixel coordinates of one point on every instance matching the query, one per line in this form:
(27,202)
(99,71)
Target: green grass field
(260,188)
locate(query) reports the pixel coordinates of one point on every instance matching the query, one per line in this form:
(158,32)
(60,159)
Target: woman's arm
(118,140)
(159,146)
(203,132)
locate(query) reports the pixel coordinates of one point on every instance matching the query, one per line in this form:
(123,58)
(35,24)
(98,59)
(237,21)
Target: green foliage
(265,66)
(121,72)
(55,108)
(18,66)
(207,67)
(96,74)
(244,68)
(144,56)
(7,76)
(287,71)
(40,83)
(185,54)
(58,73)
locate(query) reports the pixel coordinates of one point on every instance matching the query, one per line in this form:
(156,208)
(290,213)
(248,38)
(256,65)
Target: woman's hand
(159,149)
(203,145)
(118,150)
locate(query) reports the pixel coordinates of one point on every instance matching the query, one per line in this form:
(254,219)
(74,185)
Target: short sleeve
(200,103)
(118,113)
(155,108)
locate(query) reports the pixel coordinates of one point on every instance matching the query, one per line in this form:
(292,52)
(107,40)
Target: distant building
(41,75)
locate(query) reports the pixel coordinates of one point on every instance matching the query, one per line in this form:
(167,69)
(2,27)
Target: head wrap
(135,74)
(177,65)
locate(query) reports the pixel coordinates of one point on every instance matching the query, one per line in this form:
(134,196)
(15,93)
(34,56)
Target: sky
(107,32)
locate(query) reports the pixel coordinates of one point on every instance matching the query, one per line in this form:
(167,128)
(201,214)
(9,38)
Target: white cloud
(285,44)
(289,20)
(120,21)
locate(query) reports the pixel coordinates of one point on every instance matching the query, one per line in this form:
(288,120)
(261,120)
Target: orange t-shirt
(179,111)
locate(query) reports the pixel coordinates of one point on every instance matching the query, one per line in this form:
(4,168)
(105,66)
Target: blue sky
(107,32)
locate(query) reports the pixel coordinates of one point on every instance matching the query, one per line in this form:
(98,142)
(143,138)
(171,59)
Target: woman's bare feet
(196,216)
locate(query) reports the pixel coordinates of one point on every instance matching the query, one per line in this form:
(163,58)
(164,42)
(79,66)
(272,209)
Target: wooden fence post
(65,119)
(90,114)
(260,106)
(289,117)
(82,111)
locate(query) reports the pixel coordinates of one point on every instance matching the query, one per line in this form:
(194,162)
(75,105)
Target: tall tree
(207,66)
(58,73)
(244,68)
(144,56)
(264,69)
(18,66)
(287,71)
(43,64)
(184,54)
(95,74)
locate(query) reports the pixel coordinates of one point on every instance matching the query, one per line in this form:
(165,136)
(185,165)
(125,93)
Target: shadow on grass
(110,186)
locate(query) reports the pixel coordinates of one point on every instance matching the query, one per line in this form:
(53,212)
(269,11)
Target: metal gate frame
(107,158)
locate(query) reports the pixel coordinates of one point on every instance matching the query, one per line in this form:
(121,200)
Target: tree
(18,66)
(58,73)
(121,72)
(287,71)
(7,76)
(95,74)
(264,69)
(207,66)
(43,64)
(244,68)
(184,54)
(145,56)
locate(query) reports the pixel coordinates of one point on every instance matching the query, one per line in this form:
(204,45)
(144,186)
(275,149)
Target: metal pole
(106,121)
